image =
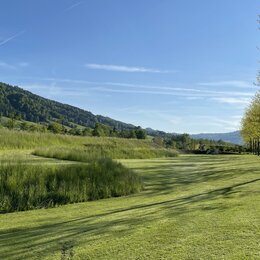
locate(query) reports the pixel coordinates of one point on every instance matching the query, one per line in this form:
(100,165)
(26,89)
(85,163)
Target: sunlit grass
(92,152)
(193,207)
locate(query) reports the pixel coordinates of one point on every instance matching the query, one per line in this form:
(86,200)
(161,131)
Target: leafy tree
(75,131)
(250,125)
(101,130)
(55,127)
(87,131)
(140,133)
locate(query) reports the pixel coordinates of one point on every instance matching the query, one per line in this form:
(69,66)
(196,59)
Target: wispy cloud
(228,83)
(231,123)
(156,89)
(72,6)
(233,100)
(170,116)
(6,40)
(6,65)
(178,93)
(52,90)
(15,66)
(23,64)
(121,68)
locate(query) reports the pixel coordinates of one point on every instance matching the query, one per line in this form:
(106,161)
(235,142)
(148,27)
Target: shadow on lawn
(164,178)
(65,234)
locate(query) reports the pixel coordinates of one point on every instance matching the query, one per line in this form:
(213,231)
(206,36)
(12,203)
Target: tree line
(182,142)
(188,144)
(250,125)
(56,127)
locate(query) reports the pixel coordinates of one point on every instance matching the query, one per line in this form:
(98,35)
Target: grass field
(193,207)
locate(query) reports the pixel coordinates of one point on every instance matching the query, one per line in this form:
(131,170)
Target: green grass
(79,148)
(92,152)
(193,207)
(12,140)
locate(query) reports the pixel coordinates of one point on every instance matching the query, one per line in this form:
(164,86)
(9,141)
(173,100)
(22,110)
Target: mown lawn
(193,207)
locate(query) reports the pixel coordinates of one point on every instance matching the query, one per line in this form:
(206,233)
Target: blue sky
(174,65)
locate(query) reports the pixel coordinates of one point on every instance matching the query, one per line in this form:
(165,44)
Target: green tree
(55,127)
(250,124)
(140,133)
(101,130)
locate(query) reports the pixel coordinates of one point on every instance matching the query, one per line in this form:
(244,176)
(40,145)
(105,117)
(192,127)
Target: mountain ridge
(231,137)
(34,108)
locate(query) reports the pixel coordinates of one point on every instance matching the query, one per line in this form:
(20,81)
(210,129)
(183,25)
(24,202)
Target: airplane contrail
(73,6)
(11,38)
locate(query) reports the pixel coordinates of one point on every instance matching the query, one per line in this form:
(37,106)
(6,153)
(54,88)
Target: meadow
(192,207)
(30,178)
(77,148)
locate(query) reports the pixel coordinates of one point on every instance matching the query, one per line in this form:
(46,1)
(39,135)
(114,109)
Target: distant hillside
(232,137)
(15,101)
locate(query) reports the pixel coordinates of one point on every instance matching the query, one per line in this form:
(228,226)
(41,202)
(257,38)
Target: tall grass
(91,152)
(47,144)
(12,139)
(24,187)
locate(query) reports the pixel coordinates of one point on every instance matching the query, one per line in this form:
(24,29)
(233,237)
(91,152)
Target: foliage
(24,187)
(188,144)
(250,124)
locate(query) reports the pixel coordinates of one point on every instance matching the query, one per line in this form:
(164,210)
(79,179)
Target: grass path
(193,207)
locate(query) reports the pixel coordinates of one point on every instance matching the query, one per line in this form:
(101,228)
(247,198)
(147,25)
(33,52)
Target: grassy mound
(91,152)
(108,146)
(24,187)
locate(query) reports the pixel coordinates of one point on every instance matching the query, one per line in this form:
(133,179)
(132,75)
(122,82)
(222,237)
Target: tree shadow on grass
(163,179)
(41,240)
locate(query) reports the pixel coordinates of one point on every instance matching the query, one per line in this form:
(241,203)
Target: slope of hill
(28,106)
(232,137)
(31,107)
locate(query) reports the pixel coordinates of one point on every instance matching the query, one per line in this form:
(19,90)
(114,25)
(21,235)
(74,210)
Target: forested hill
(15,101)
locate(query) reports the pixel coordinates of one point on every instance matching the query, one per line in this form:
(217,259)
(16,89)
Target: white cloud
(135,88)
(229,83)
(121,68)
(233,100)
